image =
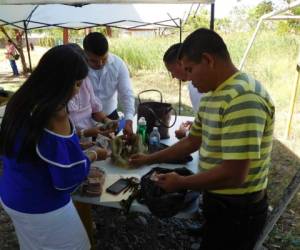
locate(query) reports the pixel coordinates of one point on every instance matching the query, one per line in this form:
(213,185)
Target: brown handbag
(157,114)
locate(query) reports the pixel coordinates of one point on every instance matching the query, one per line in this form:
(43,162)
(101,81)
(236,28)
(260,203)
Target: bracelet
(82,133)
(93,152)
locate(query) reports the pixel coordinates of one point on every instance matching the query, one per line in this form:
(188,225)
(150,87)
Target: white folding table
(113,173)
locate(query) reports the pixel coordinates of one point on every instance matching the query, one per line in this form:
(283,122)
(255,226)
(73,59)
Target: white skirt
(60,229)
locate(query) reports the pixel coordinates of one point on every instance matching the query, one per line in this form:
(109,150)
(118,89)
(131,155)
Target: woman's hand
(183,129)
(102,154)
(86,145)
(90,132)
(97,153)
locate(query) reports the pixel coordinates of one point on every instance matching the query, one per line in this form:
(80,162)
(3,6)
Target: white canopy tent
(78,14)
(72,2)
(127,16)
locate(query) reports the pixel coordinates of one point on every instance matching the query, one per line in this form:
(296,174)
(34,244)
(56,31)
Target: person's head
(172,63)
(204,56)
(9,41)
(47,90)
(95,46)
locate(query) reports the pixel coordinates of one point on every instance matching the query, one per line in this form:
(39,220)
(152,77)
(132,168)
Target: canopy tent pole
(212,16)
(180,83)
(27,45)
(265,17)
(250,43)
(292,102)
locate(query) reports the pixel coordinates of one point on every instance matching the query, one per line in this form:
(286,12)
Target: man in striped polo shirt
(233,133)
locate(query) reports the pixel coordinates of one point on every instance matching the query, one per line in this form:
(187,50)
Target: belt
(249,198)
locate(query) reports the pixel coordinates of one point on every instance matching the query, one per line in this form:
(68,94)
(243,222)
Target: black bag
(157,114)
(161,203)
(16,56)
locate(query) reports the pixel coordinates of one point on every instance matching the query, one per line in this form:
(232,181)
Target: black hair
(203,40)
(49,87)
(78,50)
(95,43)
(9,40)
(171,55)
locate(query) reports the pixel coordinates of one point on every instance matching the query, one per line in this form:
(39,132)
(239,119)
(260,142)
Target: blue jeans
(14,67)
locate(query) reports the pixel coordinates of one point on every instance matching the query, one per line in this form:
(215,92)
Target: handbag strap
(159,120)
(150,90)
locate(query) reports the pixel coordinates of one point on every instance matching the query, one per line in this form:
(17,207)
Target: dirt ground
(113,230)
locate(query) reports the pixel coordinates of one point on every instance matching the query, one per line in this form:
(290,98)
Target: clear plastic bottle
(154,140)
(142,128)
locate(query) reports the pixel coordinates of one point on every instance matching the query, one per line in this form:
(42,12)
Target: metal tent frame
(277,15)
(172,22)
(294,185)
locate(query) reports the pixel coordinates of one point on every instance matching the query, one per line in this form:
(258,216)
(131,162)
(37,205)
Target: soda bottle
(141,128)
(154,140)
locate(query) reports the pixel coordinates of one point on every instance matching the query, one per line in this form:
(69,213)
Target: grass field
(272,60)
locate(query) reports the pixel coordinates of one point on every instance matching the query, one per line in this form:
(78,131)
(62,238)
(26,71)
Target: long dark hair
(49,87)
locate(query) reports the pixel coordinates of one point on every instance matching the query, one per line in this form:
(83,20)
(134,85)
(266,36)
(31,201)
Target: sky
(223,7)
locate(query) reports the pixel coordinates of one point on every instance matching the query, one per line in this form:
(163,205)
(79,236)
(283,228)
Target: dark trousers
(232,224)
(14,67)
(114,115)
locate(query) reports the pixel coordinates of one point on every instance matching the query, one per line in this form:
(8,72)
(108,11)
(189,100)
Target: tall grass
(142,53)
(272,61)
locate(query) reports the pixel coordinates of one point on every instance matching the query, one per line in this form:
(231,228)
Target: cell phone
(118,186)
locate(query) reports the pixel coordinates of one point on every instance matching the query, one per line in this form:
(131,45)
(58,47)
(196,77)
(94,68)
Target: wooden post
(87,31)
(108,31)
(27,45)
(65,36)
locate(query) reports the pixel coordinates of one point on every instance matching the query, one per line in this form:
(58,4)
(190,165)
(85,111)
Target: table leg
(85,214)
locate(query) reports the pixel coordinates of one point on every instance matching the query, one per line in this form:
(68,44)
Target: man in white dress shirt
(176,70)
(110,79)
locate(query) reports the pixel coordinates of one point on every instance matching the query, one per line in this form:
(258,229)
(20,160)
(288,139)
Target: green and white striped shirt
(235,122)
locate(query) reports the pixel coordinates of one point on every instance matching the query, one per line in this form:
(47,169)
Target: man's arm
(179,150)
(125,92)
(230,174)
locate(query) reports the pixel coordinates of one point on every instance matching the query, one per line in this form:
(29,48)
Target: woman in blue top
(43,162)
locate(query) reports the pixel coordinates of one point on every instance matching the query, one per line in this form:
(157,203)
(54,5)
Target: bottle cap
(142,121)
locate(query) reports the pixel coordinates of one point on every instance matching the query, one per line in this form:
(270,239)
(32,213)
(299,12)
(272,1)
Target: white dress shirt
(195,97)
(112,83)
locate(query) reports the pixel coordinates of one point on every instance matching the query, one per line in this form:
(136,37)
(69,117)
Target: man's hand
(137,160)
(170,182)
(128,128)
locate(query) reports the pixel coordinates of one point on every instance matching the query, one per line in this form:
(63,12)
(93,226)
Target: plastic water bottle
(141,128)
(154,140)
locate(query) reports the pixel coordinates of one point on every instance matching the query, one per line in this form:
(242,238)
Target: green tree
(200,20)
(290,26)
(258,11)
